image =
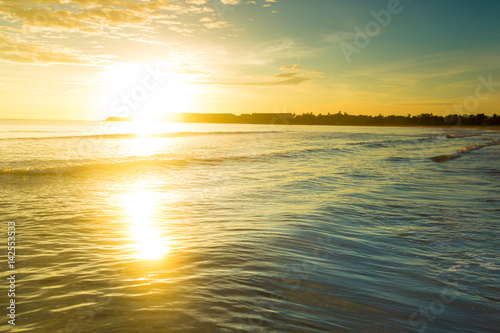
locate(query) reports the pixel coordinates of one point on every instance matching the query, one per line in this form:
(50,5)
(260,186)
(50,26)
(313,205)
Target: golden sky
(86,59)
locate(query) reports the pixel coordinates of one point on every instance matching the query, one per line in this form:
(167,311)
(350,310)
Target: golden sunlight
(146,92)
(143,145)
(148,241)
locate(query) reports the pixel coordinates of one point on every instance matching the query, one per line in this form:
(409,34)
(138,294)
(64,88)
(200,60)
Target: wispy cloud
(29,52)
(288,76)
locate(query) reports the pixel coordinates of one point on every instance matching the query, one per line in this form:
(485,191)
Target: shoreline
(449,127)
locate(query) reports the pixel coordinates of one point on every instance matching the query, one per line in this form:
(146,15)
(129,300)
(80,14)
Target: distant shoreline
(479,121)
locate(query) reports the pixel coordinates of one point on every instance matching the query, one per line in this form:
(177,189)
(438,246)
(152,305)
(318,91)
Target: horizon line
(268,113)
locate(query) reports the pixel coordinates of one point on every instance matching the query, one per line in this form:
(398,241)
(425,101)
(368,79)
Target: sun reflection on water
(144,146)
(148,240)
(148,136)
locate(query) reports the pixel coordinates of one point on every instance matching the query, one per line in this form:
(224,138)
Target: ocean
(125,227)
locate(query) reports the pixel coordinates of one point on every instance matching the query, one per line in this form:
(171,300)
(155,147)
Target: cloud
(279,50)
(288,76)
(339,37)
(36,25)
(79,15)
(99,17)
(29,52)
(217,25)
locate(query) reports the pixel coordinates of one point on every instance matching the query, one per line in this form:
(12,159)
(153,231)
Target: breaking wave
(159,161)
(462,151)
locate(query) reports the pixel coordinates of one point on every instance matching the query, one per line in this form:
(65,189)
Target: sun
(147,92)
(174,95)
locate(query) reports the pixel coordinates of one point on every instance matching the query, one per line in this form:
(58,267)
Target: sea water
(125,227)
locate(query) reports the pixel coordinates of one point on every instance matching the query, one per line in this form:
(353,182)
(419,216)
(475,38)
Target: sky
(89,59)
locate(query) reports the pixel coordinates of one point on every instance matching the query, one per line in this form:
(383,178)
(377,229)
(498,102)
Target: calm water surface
(251,228)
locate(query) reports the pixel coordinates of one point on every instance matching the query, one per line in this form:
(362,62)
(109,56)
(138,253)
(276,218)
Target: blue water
(251,228)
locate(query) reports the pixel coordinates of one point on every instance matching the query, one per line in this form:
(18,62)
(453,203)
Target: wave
(462,151)
(135,135)
(461,135)
(162,161)
(123,165)
(396,142)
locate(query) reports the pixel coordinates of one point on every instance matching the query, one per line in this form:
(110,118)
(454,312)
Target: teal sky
(78,59)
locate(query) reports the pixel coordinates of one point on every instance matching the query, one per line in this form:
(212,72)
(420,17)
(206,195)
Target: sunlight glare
(148,241)
(144,146)
(147,92)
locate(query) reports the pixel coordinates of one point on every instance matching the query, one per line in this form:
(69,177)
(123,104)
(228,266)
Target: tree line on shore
(424,119)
